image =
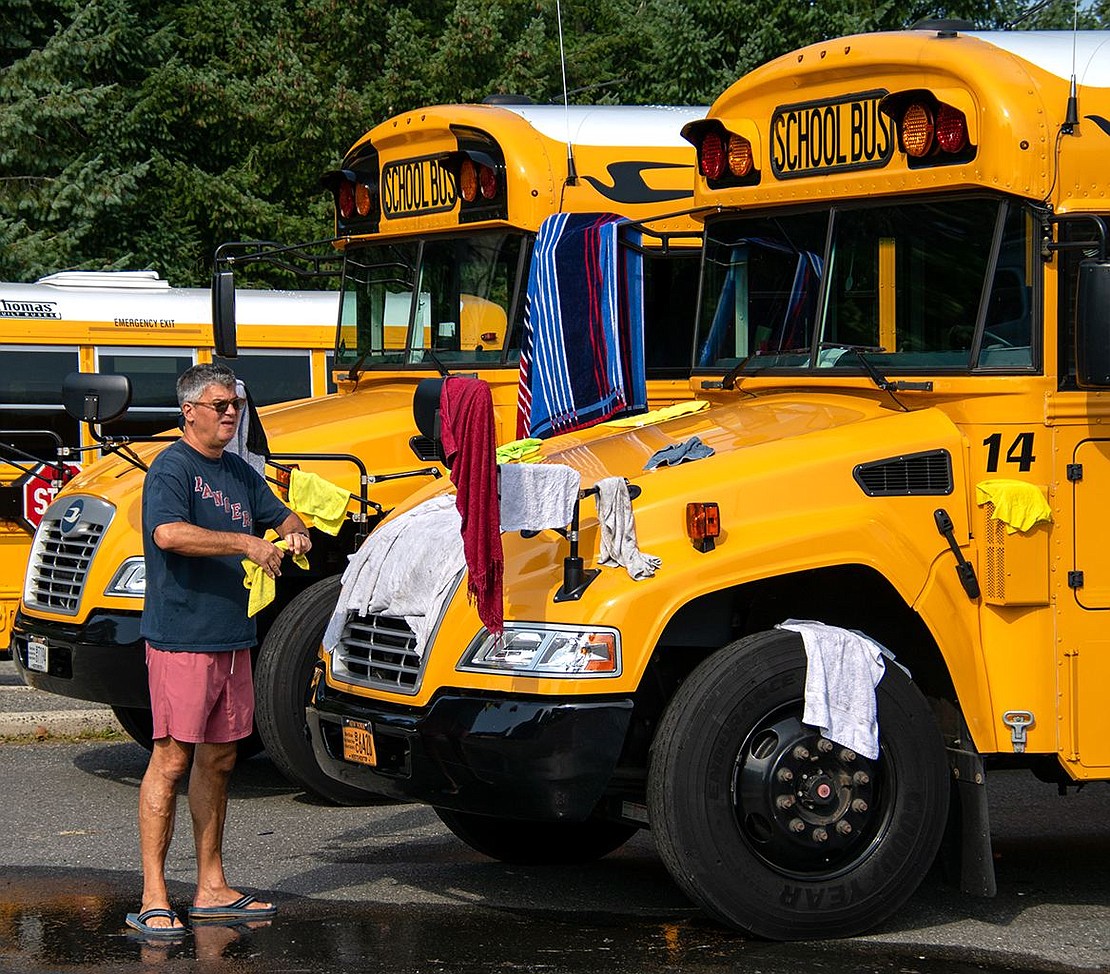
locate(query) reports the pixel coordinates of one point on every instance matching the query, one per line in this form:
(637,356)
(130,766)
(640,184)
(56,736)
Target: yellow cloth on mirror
(322,501)
(1017,504)
(262,587)
(518,450)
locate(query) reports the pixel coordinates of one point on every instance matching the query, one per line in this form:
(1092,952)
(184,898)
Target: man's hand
(299,542)
(264,553)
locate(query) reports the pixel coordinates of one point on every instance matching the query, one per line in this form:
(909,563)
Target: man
(204,510)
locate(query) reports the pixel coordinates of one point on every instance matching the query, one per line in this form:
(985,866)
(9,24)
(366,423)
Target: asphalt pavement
(27,712)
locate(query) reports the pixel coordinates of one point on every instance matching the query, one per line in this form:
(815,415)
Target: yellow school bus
(904,340)
(126,323)
(436,213)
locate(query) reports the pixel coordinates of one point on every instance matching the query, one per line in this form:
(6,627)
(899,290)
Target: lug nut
(861,778)
(785,774)
(797,825)
(820,835)
(801,753)
(859,805)
(785,801)
(843,827)
(824,745)
(847,755)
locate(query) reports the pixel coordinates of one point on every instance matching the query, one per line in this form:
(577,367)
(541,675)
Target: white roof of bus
(1060,52)
(616,125)
(142,295)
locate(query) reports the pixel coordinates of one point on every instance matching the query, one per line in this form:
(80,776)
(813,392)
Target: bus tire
(139,725)
(536,843)
(844,853)
(282,679)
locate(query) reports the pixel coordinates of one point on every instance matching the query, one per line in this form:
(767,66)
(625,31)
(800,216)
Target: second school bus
(436,213)
(128,323)
(904,339)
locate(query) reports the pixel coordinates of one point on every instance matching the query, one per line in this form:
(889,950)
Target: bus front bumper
(102,660)
(516,757)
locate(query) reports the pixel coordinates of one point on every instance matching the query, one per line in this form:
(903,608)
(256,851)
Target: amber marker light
(284,475)
(739,155)
(362,199)
(468,181)
(703,524)
(917,130)
(601,653)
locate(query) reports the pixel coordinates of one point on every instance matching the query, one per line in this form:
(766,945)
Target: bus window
(470,282)
(761,289)
(153,375)
(669,281)
(30,395)
(906,281)
(381,282)
(274,376)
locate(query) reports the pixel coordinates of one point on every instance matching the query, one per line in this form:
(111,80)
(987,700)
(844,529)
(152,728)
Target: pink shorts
(201,698)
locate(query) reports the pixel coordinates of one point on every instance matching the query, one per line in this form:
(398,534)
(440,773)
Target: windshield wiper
(880,380)
(728,380)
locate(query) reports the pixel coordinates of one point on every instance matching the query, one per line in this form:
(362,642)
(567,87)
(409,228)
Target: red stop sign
(39,488)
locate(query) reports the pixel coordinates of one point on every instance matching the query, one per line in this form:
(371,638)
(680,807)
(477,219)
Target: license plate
(358,743)
(38,656)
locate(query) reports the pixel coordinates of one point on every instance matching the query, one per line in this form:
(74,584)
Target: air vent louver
(928,473)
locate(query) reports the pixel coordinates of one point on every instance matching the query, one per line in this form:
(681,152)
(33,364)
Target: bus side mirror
(93,398)
(1092,325)
(223,314)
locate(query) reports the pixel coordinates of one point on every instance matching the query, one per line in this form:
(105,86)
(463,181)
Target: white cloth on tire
(843,667)
(405,569)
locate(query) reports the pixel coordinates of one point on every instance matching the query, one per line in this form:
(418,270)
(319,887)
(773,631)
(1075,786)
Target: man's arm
(295,534)
(183,538)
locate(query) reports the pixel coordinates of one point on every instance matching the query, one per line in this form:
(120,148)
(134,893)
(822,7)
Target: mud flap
(966,853)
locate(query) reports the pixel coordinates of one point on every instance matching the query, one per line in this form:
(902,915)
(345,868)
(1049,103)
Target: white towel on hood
(843,667)
(618,530)
(405,569)
(537,496)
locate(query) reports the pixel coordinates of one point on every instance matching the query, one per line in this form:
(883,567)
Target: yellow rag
(324,502)
(518,450)
(659,415)
(261,586)
(1017,504)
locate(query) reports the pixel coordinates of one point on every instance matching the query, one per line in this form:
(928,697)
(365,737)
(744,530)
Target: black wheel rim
(809,808)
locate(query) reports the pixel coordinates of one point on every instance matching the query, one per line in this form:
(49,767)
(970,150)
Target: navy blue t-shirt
(200,603)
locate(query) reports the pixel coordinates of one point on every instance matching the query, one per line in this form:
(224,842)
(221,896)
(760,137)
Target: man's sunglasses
(223,405)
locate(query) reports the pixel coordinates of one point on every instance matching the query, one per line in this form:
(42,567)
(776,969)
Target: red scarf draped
(470,444)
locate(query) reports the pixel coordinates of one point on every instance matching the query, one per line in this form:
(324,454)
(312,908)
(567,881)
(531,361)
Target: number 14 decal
(1019,452)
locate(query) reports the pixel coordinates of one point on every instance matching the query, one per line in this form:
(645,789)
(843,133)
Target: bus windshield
(450,300)
(924,286)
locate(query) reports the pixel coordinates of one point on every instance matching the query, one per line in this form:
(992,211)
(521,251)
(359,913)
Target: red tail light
(345,198)
(711,158)
(951,129)
(487,181)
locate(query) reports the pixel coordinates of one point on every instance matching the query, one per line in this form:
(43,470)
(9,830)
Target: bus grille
(64,545)
(380,652)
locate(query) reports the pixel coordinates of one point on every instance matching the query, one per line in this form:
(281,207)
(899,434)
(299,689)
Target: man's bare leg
(169,760)
(212,765)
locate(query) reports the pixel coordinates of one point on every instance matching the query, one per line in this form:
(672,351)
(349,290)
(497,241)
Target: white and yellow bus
(904,338)
(437,212)
(128,323)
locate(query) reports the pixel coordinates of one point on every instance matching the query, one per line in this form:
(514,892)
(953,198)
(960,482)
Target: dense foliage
(141,134)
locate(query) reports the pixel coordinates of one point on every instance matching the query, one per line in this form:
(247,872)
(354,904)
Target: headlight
(546,650)
(130,580)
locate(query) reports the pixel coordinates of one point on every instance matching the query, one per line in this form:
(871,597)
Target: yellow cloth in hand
(1017,504)
(321,500)
(518,450)
(659,415)
(262,587)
